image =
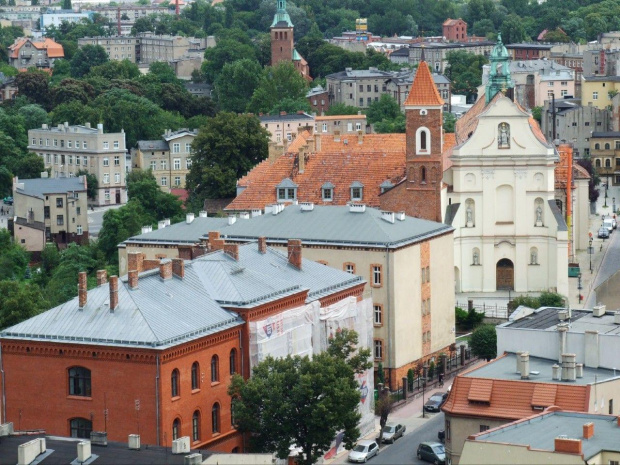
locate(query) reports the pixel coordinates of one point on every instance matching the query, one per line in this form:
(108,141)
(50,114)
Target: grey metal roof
(182,232)
(146,145)
(450,45)
(557,214)
(356,184)
(334,225)
(402,51)
(602,78)
(530,46)
(287,117)
(41,186)
(315,91)
(181,132)
(327,185)
(540,432)
(504,368)
(525,66)
(546,318)
(602,134)
(287,182)
(451,212)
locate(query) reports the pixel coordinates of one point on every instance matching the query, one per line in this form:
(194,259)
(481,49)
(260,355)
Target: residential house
(26,53)
(68,149)
(406,262)
(318,99)
(169,158)
(346,125)
(454,30)
(599,91)
(285,126)
(554,437)
(50,210)
(154,352)
(529,51)
(435,54)
(605,155)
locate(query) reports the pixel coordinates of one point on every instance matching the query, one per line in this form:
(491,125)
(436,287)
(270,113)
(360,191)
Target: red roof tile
(423,90)
(480,390)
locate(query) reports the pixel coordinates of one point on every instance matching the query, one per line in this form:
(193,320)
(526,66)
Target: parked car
(392,432)
(603,232)
(609,224)
(433,452)
(435,402)
(363,451)
(8,200)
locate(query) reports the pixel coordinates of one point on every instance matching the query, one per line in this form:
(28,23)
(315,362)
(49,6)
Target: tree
(236,83)
(34,116)
(483,342)
(13,258)
(115,69)
(383,408)
(449,122)
(278,83)
(66,5)
(226,51)
(72,89)
(118,225)
(341,109)
(91,183)
(380,374)
(465,71)
(18,302)
(224,150)
(34,85)
(513,30)
(86,58)
(143,188)
(298,401)
(537,114)
(30,166)
(386,108)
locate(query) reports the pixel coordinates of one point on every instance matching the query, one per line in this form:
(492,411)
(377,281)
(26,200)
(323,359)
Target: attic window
(357,191)
(327,192)
(286,190)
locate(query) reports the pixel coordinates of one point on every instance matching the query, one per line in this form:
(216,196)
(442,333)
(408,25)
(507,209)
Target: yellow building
(599,90)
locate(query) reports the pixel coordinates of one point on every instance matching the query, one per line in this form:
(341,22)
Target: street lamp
(579,286)
(613,201)
(590,251)
(423,388)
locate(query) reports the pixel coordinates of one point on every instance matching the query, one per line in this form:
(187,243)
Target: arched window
(195,375)
(80,428)
(423,137)
(215,376)
(597,146)
(215,418)
(422,140)
(607,163)
(423,175)
(174,383)
(233,361)
(607,146)
(79,381)
(598,162)
(235,450)
(196,426)
(176,429)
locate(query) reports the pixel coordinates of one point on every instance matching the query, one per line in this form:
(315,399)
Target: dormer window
(286,190)
(357,191)
(386,186)
(327,192)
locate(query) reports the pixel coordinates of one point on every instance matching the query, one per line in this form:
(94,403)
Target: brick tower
(281,35)
(424,145)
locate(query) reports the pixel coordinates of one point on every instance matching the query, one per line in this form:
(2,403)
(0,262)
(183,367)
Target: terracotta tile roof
(378,158)
(423,90)
(480,390)
(54,49)
(544,395)
(450,22)
(467,124)
(449,141)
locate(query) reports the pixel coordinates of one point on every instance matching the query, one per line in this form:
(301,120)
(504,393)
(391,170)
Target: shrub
(483,342)
(410,379)
(431,370)
(551,299)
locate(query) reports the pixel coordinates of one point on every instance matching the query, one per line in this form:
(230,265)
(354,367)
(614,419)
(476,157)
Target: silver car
(392,432)
(363,451)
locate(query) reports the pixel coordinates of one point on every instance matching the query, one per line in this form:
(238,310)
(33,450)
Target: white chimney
(202,214)
(268,209)
(388,216)
(579,370)
(276,209)
(134,442)
(617,318)
(161,224)
(167,220)
(568,367)
(562,315)
(562,330)
(357,208)
(231,219)
(83,451)
(555,372)
(518,360)
(145,229)
(189,218)
(256,212)
(400,216)
(244,215)
(307,206)
(599,310)
(295,202)
(525,365)
(181,445)
(100,128)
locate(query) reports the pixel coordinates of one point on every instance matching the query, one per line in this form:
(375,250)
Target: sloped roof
(423,90)
(341,162)
(41,186)
(146,145)
(54,49)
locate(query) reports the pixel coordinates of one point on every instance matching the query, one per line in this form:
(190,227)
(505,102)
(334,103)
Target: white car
(363,451)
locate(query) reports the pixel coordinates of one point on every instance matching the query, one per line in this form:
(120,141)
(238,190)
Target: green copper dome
(499,76)
(281,18)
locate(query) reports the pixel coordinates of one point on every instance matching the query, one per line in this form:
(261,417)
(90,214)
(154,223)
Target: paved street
(95,219)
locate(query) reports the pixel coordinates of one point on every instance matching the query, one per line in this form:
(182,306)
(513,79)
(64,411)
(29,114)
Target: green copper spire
(281,18)
(499,77)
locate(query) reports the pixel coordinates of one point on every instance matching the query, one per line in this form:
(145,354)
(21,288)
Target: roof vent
(202,214)
(255,212)
(555,372)
(568,367)
(189,218)
(167,221)
(388,216)
(357,208)
(134,442)
(231,219)
(400,216)
(268,209)
(306,206)
(244,215)
(161,224)
(617,318)
(147,229)
(599,310)
(563,315)
(579,370)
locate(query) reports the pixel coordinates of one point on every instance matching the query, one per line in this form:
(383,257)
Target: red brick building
(454,30)
(153,353)
(282,42)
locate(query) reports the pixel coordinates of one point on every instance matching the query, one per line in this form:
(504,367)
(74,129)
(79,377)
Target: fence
(489,310)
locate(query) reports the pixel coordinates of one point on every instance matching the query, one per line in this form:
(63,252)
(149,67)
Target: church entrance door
(505,275)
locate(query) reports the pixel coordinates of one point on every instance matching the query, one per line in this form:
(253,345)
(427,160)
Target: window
(163,164)
(188,147)
(448,430)
(164,181)
(174,383)
(85,145)
(358,126)
(177,163)
(55,159)
(195,376)
(176,429)
(564,93)
(196,426)
(70,160)
(597,146)
(324,127)
(77,144)
(117,178)
(484,428)
(106,145)
(176,148)
(349,268)
(361,101)
(79,230)
(607,146)
(48,158)
(607,163)
(177,180)
(232,359)
(80,428)
(60,220)
(328,193)
(34,141)
(215,375)
(47,142)
(594,95)
(115,144)
(79,382)
(356,193)
(215,418)
(378,346)
(106,178)
(117,161)
(378,314)
(46,213)
(69,144)
(85,160)
(375,275)
(153,165)
(106,161)
(59,202)
(55,142)
(349,127)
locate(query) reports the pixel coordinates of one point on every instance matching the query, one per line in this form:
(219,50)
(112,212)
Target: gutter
(3,387)
(157,415)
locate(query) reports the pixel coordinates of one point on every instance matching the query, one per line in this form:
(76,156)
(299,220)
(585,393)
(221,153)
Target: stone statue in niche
(539,216)
(503,141)
(476,258)
(533,257)
(470,216)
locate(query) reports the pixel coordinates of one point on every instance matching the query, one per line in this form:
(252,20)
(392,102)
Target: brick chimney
(165,269)
(301,159)
(149,264)
(360,136)
(217,244)
(232,250)
(262,244)
(135,261)
(568,446)
(82,289)
(294,253)
(588,430)
(178,267)
(113,293)
(132,279)
(213,235)
(102,277)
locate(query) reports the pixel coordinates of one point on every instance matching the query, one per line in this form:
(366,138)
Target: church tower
(282,47)
(424,144)
(499,76)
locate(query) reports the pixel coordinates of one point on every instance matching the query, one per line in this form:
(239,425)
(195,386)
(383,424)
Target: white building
(56,17)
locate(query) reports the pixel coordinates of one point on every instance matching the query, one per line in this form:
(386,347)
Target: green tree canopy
(300,401)
(34,85)
(236,83)
(19,301)
(118,225)
(465,71)
(91,183)
(225,149)
(341,109)
(34,116)
(143,188)
(483,342)
(86,58)
(226,51)
(278,83)
(513,30)
(386,108)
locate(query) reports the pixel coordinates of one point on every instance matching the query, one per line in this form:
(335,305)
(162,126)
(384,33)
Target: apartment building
(128,13)
(117,47)
(50,210)
(436,53)
(605,154)
(57,17)
(68,149)
(527,51)
(26,52)
(169,158)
